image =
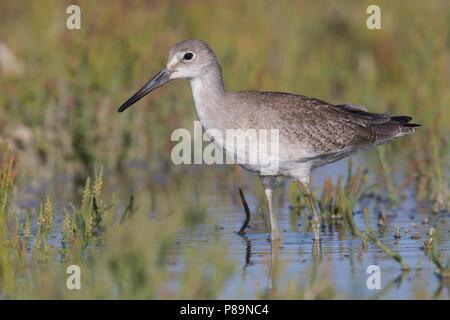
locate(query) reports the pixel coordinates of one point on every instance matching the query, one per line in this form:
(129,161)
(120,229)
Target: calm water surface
(339,257)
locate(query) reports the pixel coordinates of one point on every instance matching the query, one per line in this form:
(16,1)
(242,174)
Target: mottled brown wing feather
(327,128)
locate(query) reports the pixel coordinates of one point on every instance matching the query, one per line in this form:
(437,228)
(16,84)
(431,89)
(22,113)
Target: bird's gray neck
(209,97)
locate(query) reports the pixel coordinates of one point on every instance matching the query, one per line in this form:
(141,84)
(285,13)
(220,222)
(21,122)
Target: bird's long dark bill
(157,81)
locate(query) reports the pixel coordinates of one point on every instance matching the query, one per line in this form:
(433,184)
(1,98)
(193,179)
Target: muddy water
(339,258)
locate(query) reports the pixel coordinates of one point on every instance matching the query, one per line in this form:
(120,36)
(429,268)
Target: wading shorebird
(311,132)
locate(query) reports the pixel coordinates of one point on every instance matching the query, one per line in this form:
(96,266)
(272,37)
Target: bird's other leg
(273,271)
(316,217)
(268,184)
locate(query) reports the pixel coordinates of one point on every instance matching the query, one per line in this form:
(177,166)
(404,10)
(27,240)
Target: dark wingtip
(401,119)
(413,125)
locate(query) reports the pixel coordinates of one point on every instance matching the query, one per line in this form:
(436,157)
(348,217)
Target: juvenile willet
(312,132)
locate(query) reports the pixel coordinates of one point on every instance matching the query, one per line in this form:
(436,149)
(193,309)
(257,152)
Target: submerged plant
(443,271)
(91,218)
(370,236)
(386,173)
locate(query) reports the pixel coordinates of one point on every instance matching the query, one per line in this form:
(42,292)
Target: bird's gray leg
(268,184)
(273,271)
(316,217)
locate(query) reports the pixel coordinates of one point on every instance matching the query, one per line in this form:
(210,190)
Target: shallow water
(264,266)
(339,253)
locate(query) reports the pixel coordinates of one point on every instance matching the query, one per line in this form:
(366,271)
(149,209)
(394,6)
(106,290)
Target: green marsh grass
(442,270)
(339,204)
(335,203)
(104,62)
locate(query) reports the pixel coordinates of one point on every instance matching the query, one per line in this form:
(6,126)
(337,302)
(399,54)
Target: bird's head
(189,59)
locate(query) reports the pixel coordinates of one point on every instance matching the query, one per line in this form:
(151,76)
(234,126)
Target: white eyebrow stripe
(173,61)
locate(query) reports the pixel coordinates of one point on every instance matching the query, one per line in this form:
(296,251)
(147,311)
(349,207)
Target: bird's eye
(188,56)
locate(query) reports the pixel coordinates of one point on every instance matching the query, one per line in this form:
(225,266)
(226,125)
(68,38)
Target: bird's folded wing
(328,128)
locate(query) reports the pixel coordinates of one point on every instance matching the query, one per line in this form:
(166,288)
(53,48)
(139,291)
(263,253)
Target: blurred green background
(62,83)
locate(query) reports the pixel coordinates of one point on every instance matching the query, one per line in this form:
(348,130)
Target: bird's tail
(394,127)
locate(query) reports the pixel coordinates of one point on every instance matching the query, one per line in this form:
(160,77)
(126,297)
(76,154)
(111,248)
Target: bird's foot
(316,228)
